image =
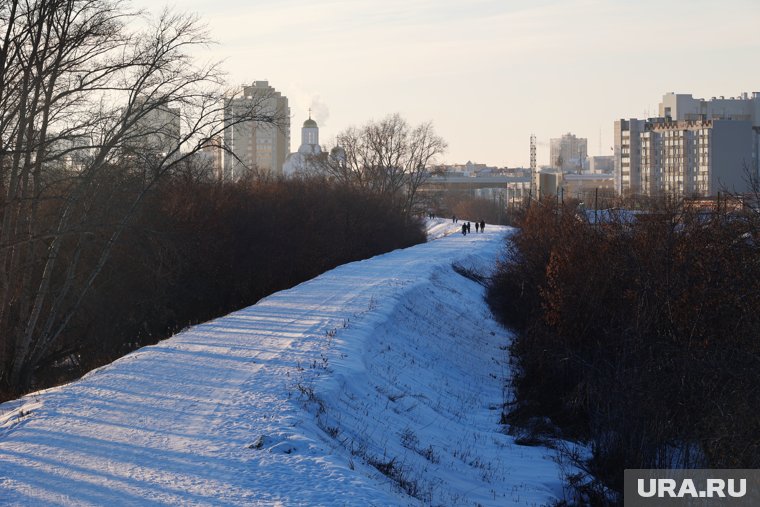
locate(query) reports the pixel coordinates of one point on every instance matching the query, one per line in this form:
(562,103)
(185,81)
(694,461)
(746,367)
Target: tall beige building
(255,146)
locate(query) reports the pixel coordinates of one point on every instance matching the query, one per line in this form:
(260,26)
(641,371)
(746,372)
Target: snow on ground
(377,383)
(438,228)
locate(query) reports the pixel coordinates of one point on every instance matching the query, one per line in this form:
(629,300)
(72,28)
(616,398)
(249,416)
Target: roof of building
(309,124)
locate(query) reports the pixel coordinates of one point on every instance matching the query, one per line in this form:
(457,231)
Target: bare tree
(388,157)
(90,110)
(424,147)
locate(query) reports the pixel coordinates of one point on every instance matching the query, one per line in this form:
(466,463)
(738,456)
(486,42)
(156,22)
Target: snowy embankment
(377,383)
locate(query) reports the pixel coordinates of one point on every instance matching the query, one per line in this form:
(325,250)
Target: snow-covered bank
(389,365)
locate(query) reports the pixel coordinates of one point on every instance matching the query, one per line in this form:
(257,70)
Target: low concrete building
(549,182)
(584,187)
(601,164)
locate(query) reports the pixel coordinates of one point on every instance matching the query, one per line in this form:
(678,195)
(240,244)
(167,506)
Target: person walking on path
(468,226)
(464,229)
(482,226)
(477,226)
(454,219)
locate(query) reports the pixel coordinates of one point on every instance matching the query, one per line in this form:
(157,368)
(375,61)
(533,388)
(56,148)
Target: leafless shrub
(638,336)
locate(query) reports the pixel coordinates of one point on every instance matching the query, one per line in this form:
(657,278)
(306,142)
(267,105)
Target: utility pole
(596,207)
(533,165)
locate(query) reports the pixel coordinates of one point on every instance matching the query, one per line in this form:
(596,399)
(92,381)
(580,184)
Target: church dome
(309,124)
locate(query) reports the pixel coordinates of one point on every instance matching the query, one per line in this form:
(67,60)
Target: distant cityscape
(694,147)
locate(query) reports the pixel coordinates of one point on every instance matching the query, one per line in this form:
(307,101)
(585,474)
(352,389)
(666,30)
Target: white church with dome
(309,159)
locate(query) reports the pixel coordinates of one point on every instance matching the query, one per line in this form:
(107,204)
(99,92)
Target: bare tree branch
(89,109)
(388,157)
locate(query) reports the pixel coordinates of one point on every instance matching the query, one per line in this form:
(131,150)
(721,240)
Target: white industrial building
(695,147)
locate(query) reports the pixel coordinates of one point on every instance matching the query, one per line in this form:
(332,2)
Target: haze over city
(487,73)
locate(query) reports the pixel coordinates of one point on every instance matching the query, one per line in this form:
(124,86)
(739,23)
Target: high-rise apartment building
(627,153)
(695,157)
(568,153)
(695,147)
(157,132)
(258,146)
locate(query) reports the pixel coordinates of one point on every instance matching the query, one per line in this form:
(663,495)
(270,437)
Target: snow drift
(377,383)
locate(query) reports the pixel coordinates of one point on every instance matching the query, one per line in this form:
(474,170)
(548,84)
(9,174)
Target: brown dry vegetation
(200,249)
(641,339)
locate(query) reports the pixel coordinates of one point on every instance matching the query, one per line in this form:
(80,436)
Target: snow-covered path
(391,364)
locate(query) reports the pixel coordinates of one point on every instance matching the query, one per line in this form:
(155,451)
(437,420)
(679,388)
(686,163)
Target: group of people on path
(479,227)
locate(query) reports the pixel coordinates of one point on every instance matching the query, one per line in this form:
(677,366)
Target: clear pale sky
(488,73)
